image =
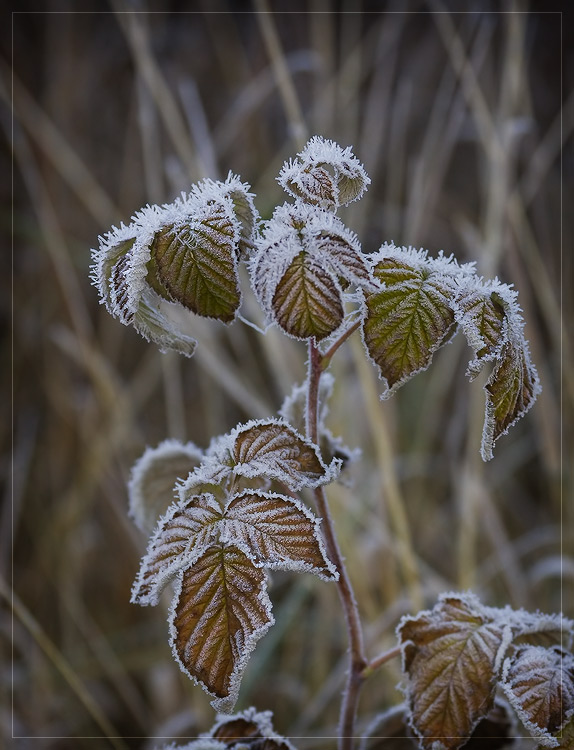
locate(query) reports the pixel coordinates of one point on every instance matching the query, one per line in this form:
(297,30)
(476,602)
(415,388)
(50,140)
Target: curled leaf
(304,255)
(180,255)
(153,479)
(412,316)
(451,656)
(324,174)
(492,321)
(539,683)
(220,611)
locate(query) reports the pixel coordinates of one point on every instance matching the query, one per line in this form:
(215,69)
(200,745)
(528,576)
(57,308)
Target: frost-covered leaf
(275,450)
(220,611)
(153,479)
(307,301)
(180,255)
(511,391)
(278,531)
(537,628)
(491,319)
(249,729)
(303,257)
(245,211)
(451,656)
(412,316)
(185,531)
(539,683)
(481,317)
(195,262)
(324,174)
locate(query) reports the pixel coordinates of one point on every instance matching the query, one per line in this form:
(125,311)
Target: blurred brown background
(462,113)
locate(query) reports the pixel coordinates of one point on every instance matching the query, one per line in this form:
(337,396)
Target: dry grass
(458,120)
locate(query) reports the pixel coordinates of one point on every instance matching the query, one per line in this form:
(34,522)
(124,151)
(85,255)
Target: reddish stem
(357,658)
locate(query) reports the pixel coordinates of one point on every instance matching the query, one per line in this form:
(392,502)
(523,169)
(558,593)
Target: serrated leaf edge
(299,566)
(226,703)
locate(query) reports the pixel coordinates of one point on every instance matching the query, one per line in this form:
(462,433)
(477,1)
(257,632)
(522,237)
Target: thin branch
(358,661)
(379,660)
(326,358)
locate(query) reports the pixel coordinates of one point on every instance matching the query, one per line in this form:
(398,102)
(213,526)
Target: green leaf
(451,656)
(307,301)
(221,610)
(407,321)
(196,264)
(539,683)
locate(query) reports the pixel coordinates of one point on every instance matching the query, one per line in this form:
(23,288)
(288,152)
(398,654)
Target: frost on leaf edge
(298,566)
(224,704)
(319,151)
(184,560)
(167,448)
(330,472)
(542,735)
(470,599)
(447,269)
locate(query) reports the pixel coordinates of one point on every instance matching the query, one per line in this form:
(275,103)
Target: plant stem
(357,659)
(326,358)
(379,660)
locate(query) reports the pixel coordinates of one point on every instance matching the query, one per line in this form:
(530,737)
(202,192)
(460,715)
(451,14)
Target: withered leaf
(221,610)
(407,321)
(539,683)
(451,656)
(184,532)
(278,531)
(275,450)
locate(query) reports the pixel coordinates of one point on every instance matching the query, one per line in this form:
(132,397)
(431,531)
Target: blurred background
(462,113)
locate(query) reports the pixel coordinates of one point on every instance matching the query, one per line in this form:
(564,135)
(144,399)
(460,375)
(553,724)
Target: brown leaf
(275,450)
(221,610)
(539,683)
(450,655)
(278,531)
(185,531)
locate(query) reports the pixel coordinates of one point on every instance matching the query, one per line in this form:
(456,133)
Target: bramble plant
(470,671)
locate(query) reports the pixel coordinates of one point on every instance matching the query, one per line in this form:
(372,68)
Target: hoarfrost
(153,479)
